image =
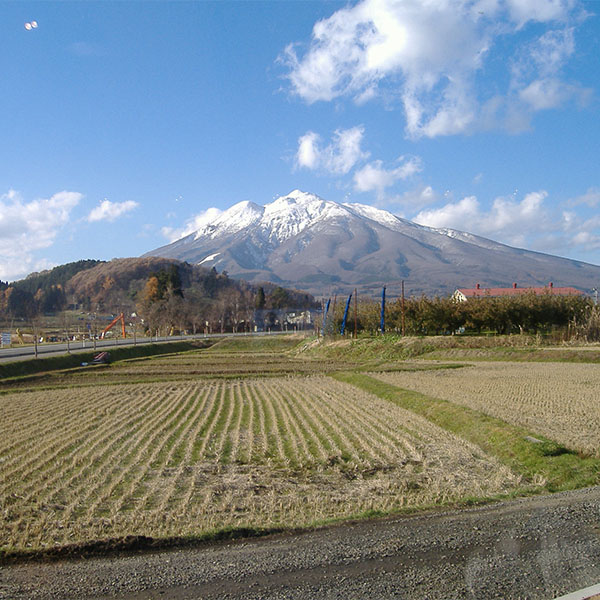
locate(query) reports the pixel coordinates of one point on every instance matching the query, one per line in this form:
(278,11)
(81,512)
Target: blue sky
(122,123)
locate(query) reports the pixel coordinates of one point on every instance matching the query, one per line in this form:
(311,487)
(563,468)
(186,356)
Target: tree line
(168,295)
(157,295)
(219,304)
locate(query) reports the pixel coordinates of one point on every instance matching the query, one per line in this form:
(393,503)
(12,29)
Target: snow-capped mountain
(303,241)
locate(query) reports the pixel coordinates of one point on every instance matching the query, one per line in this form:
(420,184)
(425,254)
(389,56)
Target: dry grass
(184,458)
(557,400)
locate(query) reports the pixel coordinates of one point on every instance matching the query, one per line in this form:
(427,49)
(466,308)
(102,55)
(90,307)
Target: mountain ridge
(322,246)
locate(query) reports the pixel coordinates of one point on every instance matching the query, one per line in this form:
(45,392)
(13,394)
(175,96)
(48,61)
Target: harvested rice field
(194,365)
(557,400)
(211,364)
(176,459)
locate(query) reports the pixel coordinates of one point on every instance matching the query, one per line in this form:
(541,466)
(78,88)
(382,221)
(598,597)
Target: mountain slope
(304,241)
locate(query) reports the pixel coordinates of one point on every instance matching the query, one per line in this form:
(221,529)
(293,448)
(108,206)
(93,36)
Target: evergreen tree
(260,299)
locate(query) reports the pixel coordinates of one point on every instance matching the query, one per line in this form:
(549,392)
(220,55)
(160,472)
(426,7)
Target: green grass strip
(561,468)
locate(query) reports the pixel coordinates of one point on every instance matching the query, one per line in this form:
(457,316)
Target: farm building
(463,294)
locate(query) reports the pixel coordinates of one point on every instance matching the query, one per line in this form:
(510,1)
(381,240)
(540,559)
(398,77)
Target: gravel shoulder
(532,548)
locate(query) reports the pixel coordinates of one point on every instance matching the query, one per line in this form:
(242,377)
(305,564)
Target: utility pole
(345,317)
(355,313)
(382,315)
(402,308)
(35,340)
(333,313)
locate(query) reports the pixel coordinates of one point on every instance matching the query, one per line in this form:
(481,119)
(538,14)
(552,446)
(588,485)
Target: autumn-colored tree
(151,293)
(108,283)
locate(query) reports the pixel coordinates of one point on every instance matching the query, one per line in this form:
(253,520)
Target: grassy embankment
(68,361)
(493,348)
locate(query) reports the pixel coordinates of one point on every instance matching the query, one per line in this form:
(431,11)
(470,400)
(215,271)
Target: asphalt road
(535,548)
(28,352)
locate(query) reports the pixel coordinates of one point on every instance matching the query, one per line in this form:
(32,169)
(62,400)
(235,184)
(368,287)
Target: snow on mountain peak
(378,215)
(234,219)
(299,195)
(288,215)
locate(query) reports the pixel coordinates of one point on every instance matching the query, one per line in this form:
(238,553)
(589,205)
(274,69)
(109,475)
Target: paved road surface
(537,548)
(27,352)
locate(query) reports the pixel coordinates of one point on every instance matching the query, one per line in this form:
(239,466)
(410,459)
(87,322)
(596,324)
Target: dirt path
(534,548)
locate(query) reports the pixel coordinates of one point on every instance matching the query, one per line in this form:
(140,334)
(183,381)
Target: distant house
(463,294)
(280,318)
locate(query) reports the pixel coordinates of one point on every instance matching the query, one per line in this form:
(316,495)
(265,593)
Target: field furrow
(74,474)
(237,435)
(205,450)
(135,451)
(260,442)
(223,430)
(54,454)
(149,458)
(275,443)
(149,490)
(185,458)
(333,425)
(292,442)
(247,426)
(290,409)
(312,428)
(22,444)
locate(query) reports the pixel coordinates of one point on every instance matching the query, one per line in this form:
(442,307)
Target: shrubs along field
(185,459)
(560,401)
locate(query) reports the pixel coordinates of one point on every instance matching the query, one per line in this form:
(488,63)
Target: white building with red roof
(463,294)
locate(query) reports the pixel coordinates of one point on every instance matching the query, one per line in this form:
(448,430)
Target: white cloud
(591,198)
(455,215)
(526,223)
(13,268)
(587,240)
(431,56)
(551,50)
(191,225)
(415,198)
(508,219)
(375,177)
(308,152)
(337,157)
(579,232)
(536,78)
(545,93)
(26,227)
(522,11)
(110,211)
